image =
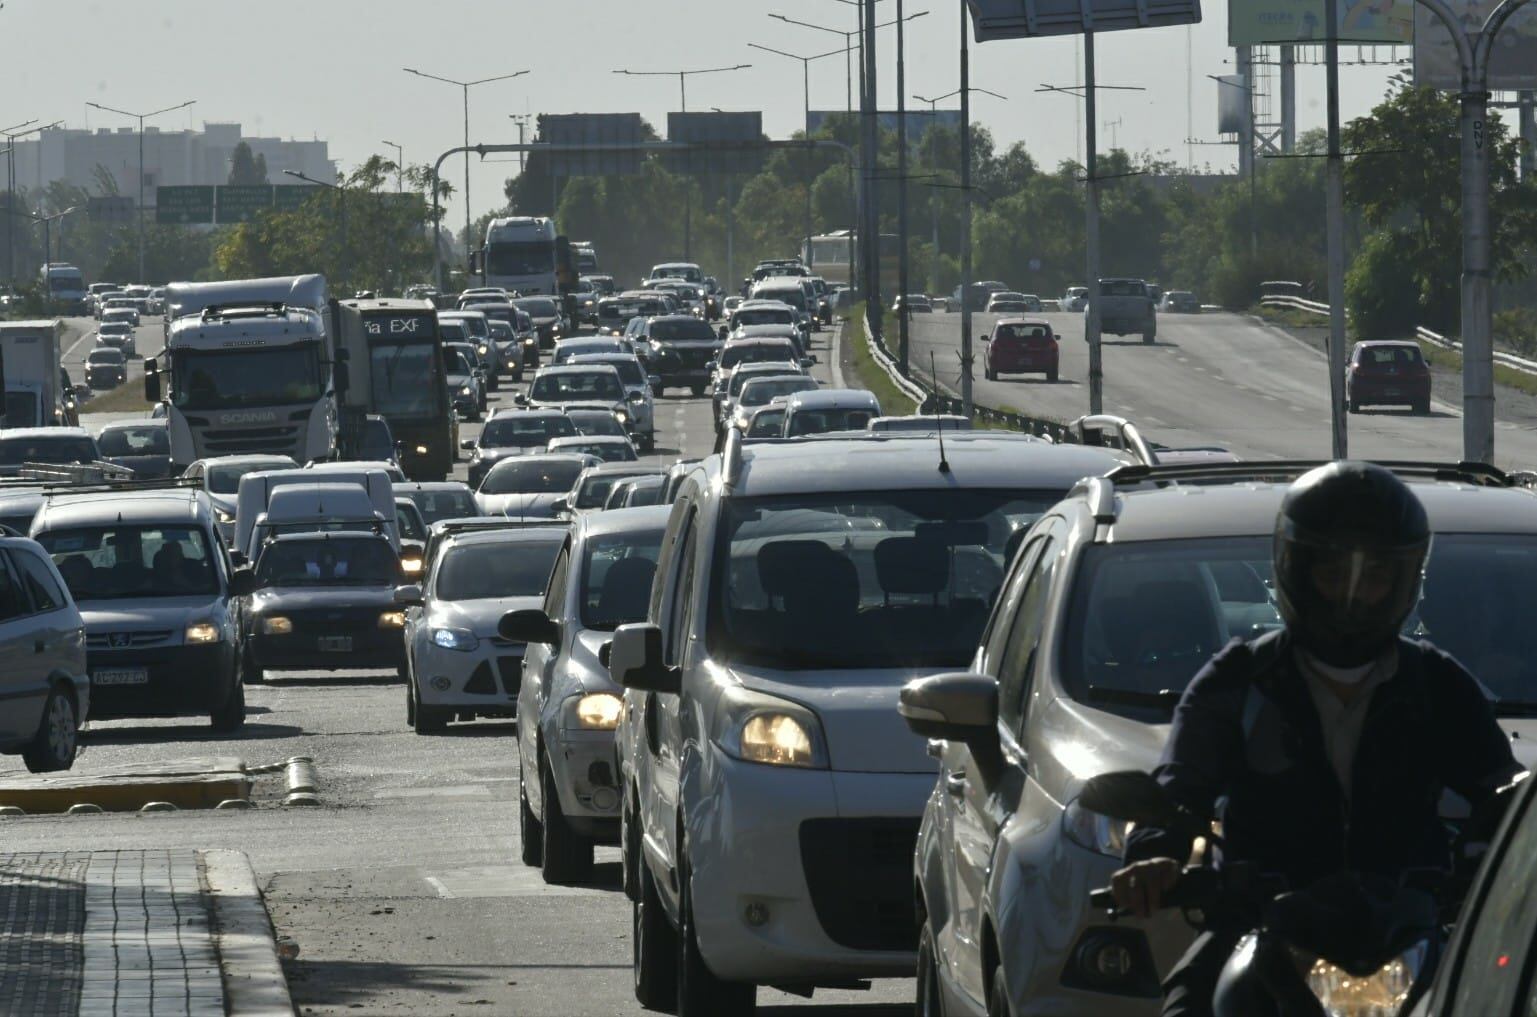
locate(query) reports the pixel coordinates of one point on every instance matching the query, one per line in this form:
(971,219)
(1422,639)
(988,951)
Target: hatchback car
(1020,346)
(529,487)
(458,667)
(219,478)
(46,683)
(568,792)
(829,409)
(105,367)
(1387,373)
(1115,599)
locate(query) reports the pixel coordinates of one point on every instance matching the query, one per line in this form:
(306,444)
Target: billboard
(1232,104)
(1258,22)
(728,134)
(596,129)
(1512,61)
(1028,19)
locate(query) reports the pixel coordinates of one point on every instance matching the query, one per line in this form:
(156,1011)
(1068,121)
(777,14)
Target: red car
(1020,346)
(1387,373)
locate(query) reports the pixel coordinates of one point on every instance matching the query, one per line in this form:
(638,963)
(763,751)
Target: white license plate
(336,644)
(121,676)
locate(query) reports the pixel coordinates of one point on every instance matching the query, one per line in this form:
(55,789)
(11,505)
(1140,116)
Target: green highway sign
(184,204)
(241,203)
(290,197)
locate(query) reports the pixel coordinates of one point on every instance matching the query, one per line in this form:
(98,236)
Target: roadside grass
(126,398)
(869,373)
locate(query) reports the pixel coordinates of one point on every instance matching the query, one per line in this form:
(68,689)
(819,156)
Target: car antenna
(939,418)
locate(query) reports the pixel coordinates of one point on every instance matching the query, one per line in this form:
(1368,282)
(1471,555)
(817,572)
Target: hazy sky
(332,69)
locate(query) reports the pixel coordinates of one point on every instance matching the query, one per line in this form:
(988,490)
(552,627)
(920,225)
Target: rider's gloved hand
(1139,888)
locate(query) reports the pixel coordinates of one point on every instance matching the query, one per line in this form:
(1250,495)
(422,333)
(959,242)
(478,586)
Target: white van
(256,491)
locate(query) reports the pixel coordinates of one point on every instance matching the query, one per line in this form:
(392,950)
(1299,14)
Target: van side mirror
(986,337)
(242,580)
(529,626)
(635,661)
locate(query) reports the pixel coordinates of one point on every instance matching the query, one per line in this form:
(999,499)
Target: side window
(1015,667)
(555,594)
(996,636)
(679,612)
(39,582)
(13,598)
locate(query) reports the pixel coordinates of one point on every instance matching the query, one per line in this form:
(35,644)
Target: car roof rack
(1286,470)
(1125,432)
(108,476)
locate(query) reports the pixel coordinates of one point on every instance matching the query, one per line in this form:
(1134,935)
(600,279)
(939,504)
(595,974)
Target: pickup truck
(1126,308)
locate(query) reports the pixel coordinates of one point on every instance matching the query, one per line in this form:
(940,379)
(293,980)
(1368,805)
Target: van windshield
(119,562)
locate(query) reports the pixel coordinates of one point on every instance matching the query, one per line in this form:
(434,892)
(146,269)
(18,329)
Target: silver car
(568,794)
(44,683)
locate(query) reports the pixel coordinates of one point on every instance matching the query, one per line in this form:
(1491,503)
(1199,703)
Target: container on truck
(29,367)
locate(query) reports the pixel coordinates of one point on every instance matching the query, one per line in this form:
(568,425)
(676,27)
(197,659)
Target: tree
(245,168)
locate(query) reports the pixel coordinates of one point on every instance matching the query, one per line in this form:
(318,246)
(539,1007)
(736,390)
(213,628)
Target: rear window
(693,330)
(134,441)
(1023,333)
(756,353)
(435,505)
(525,431)
(15,451)
(1122,288)
(1389,356)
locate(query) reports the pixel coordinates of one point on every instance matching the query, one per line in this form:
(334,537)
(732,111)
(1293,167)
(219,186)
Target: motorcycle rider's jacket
(1247,748)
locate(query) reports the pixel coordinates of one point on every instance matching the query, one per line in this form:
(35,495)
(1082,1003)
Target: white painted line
(71,351)
(437,885)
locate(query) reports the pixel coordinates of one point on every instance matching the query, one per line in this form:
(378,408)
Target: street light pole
(400,166)
(966,357)
(903,318)
(341,202)
(141,117)
(465,86)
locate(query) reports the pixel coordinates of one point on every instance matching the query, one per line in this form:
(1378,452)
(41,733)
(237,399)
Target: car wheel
(250,674)
(428,720)
(1051,375)
(58,736)
(700,993)
(1148,337)
(567,854)
(929,1003)
(629,849)
(1353,406)
(1422,407)
(410,705)
(230,715)
(989,374)
(657,390)
(998,994)
(529,833)
(654,948)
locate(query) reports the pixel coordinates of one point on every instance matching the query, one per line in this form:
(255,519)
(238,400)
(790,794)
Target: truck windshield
(225,380)
(406,379)
(112,563)
(528,258)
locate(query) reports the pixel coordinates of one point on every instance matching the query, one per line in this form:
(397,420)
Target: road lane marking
(437,885)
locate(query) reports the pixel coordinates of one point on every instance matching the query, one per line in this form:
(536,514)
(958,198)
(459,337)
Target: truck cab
(519,255)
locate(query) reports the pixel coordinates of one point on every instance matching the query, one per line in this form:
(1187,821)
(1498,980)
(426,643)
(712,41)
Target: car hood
(142,613)
(858,710)
(1523,739)
(1074,742)
(309,598)
(538,506)
(456,379)
(477,616)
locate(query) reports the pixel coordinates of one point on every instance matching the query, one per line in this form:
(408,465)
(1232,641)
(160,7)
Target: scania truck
(519,256)
(247,368)
(394,367)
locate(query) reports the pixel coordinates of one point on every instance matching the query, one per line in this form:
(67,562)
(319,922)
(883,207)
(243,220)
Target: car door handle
(955,783)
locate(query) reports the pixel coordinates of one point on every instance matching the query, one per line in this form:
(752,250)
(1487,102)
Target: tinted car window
(515,477)
(117,562)
(578,385)
(435,505)
(328,563)
(134,441)
(39,581)
(486,571)
(678,331)
(13,597)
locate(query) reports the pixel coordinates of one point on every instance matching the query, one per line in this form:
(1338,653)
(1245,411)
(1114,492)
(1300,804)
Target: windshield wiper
(1168,698)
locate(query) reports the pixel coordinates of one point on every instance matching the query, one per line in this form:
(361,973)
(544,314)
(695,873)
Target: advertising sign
(1258,22)
(1512,64)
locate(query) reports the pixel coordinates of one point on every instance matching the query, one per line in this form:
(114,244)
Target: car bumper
(181,680)
(371,649)
(582,766)
(1024,365)
(484,680)
(1388,393)
(829,854)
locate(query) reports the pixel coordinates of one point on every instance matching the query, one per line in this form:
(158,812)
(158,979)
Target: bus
(833,255)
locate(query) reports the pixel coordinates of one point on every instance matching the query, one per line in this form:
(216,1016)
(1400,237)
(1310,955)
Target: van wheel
(1051,376)
(929,1002)
(1422,408)
(58,735)
(998,995)
(231,715)
(654,948)
(567,854)
(529,832)
(1147,338)
(700,993)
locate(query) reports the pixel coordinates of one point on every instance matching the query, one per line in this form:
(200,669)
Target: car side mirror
(468,444)
(635,660)
(806,362)
(959,707)
(242,580)
(986,338)
(408,596)
(560,504)
(637,397)
(529,626)
(723,332)
(520,399)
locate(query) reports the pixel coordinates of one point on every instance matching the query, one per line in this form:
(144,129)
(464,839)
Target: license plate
(336,644)
(1390,391)
(121,676)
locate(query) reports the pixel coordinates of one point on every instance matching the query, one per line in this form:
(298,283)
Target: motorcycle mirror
(1131,795)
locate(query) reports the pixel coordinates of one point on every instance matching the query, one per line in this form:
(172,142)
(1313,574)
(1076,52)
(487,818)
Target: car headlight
(758,728)
(455,639)
(484,349)
(421,450)
(623,416)
(276,625)
(598,711)
(1098,833)
(465,390)
(394,619)
(1345,995)
(411,565)
(202,632)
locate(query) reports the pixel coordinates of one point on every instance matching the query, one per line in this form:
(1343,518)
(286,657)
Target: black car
(105,368)
(683,348)
(326,602)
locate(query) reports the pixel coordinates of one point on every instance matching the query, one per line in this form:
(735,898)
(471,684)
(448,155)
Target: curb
(254,984)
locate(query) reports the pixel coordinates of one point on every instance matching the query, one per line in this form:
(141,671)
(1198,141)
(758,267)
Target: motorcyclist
(1326,742)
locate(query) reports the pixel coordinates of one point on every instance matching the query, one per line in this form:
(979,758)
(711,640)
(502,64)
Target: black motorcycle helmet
(1350,547)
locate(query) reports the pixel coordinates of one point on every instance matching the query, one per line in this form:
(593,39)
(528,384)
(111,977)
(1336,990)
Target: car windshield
(111,357)
(452,331)
(118,562)
(821,421)
(329,562)
(115,328)
(692,330)
(56,450)
(888,579)
(455,503)
(763,316)
(761,391)
(629,371)
(608,451)
(531,431)
(617,571)
(595,422)
(538,307)
(134,441)
(232,379)
(766,424)
(224,478)
(756,353)
(1145,617)
(471,325)
(582,347)
(493,571)
(574,386)
(796,298)
(515,476)
(456,363)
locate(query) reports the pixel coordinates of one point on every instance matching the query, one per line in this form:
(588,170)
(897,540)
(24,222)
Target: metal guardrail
(1421,333)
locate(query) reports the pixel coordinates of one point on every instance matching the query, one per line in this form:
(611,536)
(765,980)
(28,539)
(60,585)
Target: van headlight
(757,728)
(202,632)
(1343,994)
(1098,833)
(597,711)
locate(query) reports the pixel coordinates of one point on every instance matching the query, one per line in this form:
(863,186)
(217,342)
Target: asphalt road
(1222,379)
(403,892)
(149,340)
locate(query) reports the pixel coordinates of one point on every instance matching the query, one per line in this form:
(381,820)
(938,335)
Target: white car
(568,792)
(639,411)
(117,335)
(458,667)
(529,487)
(771,793)
(1076,298)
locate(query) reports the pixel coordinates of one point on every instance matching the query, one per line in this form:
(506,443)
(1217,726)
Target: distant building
(171,158)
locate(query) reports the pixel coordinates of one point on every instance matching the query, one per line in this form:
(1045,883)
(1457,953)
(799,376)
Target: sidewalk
(119,933)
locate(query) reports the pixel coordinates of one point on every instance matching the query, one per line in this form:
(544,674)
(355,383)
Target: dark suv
(683,349)
(1387,373)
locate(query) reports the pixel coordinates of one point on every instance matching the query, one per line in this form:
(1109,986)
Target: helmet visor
(1358,591)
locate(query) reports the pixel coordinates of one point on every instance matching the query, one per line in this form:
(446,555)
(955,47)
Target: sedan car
(1386,372)
(1020,345)
(529,487)
(512,433)
(1180,302)
(458,667)
(568,798)
(105,368)
(117,335)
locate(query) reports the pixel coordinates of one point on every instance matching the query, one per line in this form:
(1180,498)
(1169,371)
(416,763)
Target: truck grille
(860,873)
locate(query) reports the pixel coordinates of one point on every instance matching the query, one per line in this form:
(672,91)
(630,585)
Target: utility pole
(870,238)
(1288,99)
(1334,212)
(141,117)
(1091,232)
(400,166)
(966,357)
(902,286)
(933,199)
(1528,123)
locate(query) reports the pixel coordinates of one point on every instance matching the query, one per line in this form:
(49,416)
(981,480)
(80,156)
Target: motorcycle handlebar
(1194,889)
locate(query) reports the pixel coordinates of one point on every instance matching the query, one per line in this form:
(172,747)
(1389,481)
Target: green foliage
(1380,288)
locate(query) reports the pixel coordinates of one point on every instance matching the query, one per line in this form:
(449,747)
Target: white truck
(519,256)
(66,287)
(247,369)
(29,360)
